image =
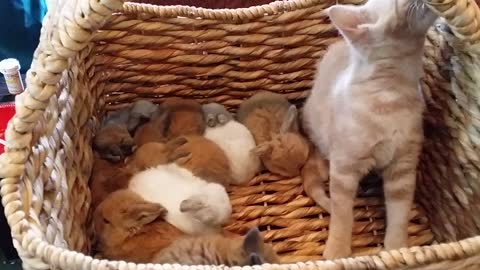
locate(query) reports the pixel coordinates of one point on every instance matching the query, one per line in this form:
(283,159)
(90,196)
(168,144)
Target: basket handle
(463,17)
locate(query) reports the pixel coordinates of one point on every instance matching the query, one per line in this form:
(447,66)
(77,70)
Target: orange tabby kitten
(365,111)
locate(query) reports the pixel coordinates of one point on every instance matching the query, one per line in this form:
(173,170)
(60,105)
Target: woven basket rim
(227,14)
(468,32)
(37,247)
(391,259)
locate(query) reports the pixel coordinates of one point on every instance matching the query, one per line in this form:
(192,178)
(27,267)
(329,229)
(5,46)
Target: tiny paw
(222,119)
(211,120)
(192,204)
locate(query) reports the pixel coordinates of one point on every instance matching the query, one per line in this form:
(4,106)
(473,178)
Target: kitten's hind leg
(399,188)
(344,180)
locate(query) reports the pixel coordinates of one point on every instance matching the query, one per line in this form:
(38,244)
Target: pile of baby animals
(158,186)
(161,172)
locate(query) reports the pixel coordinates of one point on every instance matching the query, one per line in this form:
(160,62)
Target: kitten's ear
(143,213)
(348,20)
(290,119)
(253,242)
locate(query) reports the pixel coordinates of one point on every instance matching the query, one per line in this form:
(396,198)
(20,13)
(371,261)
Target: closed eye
(106,221)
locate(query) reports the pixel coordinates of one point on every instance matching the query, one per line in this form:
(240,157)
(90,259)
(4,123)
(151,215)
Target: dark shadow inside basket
(226,61)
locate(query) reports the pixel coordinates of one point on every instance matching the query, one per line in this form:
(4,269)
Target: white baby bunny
(194,206)
(236,141)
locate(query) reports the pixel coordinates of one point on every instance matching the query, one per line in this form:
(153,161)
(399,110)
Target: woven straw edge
(450,10)
(272,8)
(38,248)
(394,259)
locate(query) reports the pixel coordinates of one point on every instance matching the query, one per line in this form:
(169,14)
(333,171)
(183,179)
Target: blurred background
(21,22)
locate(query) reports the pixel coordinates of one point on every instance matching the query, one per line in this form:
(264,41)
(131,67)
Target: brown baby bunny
(153,131)
(285,154)
(129,228)
(216,249)
(113,142)
(204,159)
(107,177)
(175,117)
(273,122)
(186,117)
(153,154)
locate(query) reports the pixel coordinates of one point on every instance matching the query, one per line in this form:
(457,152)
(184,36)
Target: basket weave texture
(100,55)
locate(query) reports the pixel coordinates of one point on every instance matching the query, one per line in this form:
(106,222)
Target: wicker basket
(96,56)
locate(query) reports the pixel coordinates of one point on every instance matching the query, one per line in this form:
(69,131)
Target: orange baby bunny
(205,159)
(106,178)
(153,131)
(176,117)
(273,122)
(130,228)
(186,117)
(153,154)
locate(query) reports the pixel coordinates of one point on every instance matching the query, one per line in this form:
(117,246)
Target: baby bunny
(130,228)
(175,117)
(140,113)
(153,131)
(203,158)
(194,205)
(152,154)
(273,122)
(186,117)
(217,249)
(236,141)
(216,114)
(107,177)
(113,141)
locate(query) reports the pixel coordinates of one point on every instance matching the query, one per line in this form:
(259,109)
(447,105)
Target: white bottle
(11,71)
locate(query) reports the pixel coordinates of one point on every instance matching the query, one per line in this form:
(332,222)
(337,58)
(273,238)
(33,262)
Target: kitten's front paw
(336,251)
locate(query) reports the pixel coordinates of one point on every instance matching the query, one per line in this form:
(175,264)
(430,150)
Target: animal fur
(219,250)
(238,144)
(205,159)
(194,206)
(365,111)
(132,229)
(273,122)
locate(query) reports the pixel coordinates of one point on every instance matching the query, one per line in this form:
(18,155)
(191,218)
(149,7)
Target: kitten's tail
(315,177)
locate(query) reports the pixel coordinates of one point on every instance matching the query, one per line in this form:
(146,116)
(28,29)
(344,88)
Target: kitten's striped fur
(365,112)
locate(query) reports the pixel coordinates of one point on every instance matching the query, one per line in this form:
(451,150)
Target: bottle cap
(9,66)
